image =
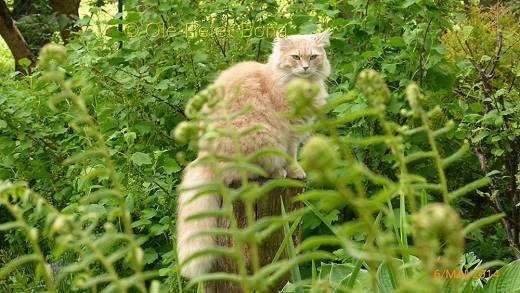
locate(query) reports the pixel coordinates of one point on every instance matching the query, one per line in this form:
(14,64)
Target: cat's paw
(280,173)
(295,171)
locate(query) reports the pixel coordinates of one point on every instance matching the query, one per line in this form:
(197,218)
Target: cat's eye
(295,57)
(313,57)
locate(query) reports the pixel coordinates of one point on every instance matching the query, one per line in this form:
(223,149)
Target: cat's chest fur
(256,86)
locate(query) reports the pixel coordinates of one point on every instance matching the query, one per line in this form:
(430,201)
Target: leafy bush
(483,48)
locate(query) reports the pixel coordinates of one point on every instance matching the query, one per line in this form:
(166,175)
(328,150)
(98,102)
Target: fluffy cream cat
(260,86)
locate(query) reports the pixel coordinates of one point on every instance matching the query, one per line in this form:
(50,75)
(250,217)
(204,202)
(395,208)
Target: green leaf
(25,62)
(338,273)
(158,229)
(485,58)
(144,127)
(390,68)
(396,42)
(467,29)
(149,213)
(132,16)
(140,223)
(141,159)
(6,142)
(482,222)
(150,255)
(334,273)
(129,203)
(288,288)
(476,107)
(115,34)
(507,279)
(97,209)
(369,54)
(200,56)
(409,3)
(386,277)
(480,136)
(469,187)
(497,152)
(170,166)
(130,137)
(164,84)
(308,28)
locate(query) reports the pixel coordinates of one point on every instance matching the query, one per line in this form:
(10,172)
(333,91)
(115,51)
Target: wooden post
(269,205)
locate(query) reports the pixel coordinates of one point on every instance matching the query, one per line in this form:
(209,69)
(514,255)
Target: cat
(261,87)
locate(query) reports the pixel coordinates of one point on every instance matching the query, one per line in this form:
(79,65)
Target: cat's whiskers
(282,78)
(322,76)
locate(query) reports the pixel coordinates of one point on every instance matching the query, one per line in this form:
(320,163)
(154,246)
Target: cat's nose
(305,67)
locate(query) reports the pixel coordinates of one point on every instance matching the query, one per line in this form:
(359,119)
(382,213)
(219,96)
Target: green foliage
(99,251)
(483,47)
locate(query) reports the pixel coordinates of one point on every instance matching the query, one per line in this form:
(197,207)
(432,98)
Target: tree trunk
(14,39)
(68,9)
(269,205)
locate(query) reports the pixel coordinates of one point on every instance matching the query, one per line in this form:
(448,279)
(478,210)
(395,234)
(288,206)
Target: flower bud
(319,158)
(209,97)
(412,94)
(214,94)
(438,236)
(373,87)
(185,131)
(436,118)
(52,53)
(318,153)
(60,223)
(300,95)
(195,104)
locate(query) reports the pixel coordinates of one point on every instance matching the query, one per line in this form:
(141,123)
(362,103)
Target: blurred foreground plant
(384,260)
(96,237)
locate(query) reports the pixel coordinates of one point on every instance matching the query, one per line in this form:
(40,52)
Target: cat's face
(302,56)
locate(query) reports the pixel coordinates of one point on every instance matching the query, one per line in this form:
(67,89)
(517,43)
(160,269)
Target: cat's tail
(195,179)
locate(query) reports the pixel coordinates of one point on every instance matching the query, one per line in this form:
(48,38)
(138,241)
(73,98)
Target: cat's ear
(322,39)
(281,42)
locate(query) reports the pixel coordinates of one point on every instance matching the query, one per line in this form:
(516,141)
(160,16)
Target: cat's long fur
(260,86)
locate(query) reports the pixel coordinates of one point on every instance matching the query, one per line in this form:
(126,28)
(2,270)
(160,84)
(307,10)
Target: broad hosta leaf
(338,275)
(335,273)
(507,279)
(386,278)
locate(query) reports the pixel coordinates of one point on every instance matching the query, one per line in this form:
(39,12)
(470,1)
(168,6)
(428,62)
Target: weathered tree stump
(268,205)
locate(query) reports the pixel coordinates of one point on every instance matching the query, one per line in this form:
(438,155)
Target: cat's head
(302,56)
